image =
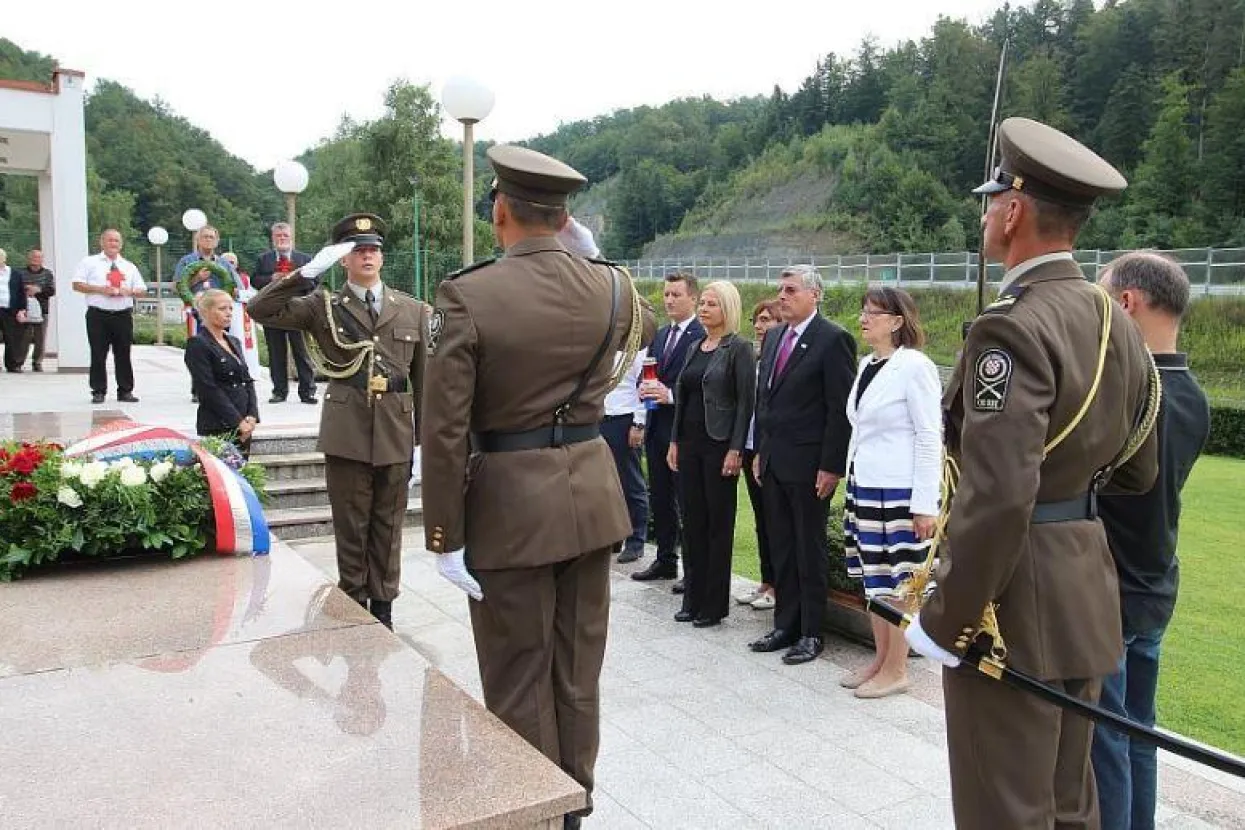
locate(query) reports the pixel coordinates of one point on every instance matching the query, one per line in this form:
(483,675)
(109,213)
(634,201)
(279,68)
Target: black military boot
(382,610)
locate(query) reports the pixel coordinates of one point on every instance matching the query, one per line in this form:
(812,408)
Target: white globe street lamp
(468,102)
(193,220)
(158,236)
(291,178)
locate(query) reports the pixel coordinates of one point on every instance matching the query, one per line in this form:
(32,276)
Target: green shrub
(1227,431)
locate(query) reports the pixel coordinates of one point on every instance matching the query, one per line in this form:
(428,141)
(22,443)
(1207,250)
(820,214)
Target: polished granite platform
(227,692)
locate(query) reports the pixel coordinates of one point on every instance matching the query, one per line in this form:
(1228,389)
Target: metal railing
(1210,270)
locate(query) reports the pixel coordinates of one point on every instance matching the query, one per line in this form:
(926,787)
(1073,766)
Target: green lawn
(1202,686)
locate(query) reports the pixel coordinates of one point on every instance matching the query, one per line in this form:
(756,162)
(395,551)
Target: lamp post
(290,177)
(467,102)
(158,236)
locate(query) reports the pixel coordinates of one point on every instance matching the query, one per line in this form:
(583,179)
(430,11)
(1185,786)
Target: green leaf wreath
(223,276)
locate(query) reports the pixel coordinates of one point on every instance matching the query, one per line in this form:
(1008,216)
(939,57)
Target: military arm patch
(991,377)
(436,325)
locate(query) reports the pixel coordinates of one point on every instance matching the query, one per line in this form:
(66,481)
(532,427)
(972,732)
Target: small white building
(43,134)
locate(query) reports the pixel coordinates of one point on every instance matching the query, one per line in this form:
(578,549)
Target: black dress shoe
(803,651)
(657,570)
(776,640)
(382,610)
(97,397)
(630,555)
(311,400)
(276,398)
(677,587)
(684,616)
(127,397)
(706,622)
(36,368)
(570,822)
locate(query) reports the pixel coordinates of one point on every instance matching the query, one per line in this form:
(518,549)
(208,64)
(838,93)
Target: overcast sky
(268,81)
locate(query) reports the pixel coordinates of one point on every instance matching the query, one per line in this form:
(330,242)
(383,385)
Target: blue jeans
(615,430)
(1126,770)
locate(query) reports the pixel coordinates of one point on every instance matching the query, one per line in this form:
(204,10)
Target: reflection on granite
(55,426)
(159,612)
(228,692)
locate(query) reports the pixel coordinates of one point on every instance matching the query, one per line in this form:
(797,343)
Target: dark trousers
(280,343)
(758,515)
(1017,762)
(16,338)
(110,330)
(796,521)
(709,502)
(616,430)
(369,511)
(540,642)
(1126,770)
(663,483)
(38,341)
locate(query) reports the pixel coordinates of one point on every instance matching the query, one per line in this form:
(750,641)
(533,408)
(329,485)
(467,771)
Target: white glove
(452,567)
(417,474)
(326,259)
(923,645)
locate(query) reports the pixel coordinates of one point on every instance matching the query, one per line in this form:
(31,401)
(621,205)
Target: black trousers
(663,484)
(616,430)
(796,521)
(758,515)
(280,343)
(16,337)
(38,341)
(110,330)
(709,502)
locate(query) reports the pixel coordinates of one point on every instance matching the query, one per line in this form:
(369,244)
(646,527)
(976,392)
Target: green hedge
(1227,432)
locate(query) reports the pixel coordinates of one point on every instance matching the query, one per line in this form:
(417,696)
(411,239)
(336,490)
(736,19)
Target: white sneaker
(748,597)
(764,602)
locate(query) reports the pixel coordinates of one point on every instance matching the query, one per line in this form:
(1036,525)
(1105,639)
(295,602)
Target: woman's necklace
(875,359)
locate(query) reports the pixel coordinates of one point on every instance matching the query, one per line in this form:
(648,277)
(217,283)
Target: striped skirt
(881,548)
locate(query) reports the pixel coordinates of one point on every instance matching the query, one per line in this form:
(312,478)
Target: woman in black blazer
(227,403)
(712,409)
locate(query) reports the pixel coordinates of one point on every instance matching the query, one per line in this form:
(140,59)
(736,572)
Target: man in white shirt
(110,283)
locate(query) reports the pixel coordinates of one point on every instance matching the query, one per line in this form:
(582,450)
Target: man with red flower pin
(110,283)
(278,264)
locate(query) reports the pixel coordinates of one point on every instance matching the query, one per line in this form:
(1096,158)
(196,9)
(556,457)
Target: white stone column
(66,203)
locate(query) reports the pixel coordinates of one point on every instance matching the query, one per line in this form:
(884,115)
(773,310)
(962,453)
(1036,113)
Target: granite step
(295,466)
(303,522)
(302,492)
(283,442)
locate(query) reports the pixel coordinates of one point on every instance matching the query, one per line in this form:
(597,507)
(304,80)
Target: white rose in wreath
(69,497)
(160,471)
(93,473)
(133,476)
(70,470)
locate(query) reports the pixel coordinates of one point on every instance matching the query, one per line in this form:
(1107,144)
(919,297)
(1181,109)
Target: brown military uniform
(1023,534)
(367,434)
(510,341)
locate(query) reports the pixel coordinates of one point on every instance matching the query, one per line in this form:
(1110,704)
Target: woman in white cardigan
(893,461)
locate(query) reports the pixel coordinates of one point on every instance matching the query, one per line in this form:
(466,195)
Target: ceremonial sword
(981,660)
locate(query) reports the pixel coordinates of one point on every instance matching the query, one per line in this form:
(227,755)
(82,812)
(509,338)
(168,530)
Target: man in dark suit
(669,347)
(806,373)
(277,264)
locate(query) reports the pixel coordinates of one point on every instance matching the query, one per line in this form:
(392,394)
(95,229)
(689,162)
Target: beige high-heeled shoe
(856,678)
(870,690)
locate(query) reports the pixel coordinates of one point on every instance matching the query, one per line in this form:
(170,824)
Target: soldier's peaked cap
(360,228)
(1046,164)
(533,177)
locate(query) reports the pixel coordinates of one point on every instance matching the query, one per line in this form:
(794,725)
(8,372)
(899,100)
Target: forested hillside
(875,151)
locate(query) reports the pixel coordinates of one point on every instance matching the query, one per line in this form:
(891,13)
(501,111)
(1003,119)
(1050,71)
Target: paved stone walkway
(697,731)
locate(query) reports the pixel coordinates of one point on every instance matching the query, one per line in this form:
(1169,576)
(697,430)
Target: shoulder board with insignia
(475,266)
(600,261)
(1004,303)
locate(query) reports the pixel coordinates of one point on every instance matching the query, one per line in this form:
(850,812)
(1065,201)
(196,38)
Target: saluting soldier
(1048,402)
(371,338)
(522,502)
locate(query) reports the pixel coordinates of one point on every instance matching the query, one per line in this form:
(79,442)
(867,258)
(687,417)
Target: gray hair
(809,278)
(1159,277)
(280,226)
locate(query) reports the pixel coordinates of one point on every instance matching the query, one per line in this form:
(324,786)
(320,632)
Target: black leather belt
(1081,508)
(541,438)
(360,380)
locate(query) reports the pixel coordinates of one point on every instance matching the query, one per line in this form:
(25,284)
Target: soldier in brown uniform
(1045,405)
(372,341)
(519,487)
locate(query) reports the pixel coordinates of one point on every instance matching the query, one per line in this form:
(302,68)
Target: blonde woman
(713,408)
(218,372)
